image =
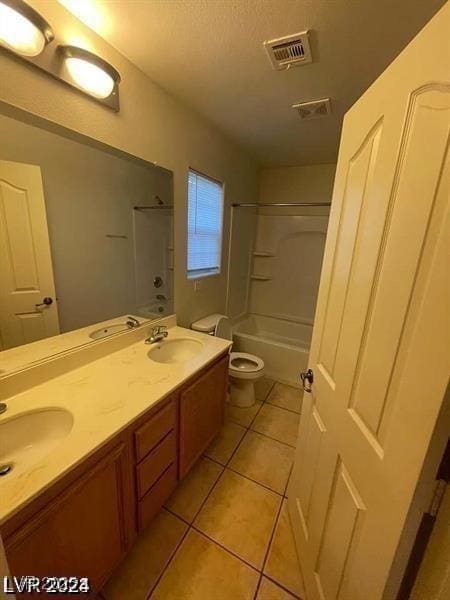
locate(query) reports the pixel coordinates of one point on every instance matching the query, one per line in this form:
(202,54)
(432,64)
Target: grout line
(207,496)
(295,412)
(256,414)
(169,510)
(283,587)
(272,438)
(236,449)
(268,547)
(217,543)
(266,487)
(189,527)
(172,556)
(270,390)
(258,585)
(214,460)
(288,479)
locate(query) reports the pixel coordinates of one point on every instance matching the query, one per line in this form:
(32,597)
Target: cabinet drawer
(155,463)
(156,496)
(157,427)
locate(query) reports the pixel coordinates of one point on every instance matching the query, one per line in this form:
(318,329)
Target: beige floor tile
(242,416)
(240,514)
(225,443)
(286,396)
(263,387)
(277,423)
(192,491)
(264,460)
(268,590)
(201,570)
(282,564)
(139,572)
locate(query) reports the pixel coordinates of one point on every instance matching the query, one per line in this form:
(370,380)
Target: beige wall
(311,183)
(152,125)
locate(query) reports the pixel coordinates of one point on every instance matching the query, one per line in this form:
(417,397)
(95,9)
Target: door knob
(307,378)
(45,302)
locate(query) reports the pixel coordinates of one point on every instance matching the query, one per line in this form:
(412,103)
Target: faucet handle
(159,329)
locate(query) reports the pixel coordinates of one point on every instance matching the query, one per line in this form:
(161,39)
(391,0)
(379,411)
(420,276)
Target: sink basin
(175,351)
(28,437)
(98,334)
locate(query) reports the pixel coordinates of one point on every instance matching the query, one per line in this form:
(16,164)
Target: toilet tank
(207,324)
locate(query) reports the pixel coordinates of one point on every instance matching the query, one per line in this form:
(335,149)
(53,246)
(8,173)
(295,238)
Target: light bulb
(19,33)
(90,77)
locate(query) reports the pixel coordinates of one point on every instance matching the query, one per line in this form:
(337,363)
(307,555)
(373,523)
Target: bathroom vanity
(139,425)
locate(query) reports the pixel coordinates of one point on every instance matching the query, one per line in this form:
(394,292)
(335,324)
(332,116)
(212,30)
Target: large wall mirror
(86,236)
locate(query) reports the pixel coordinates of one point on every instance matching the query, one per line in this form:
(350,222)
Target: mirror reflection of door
(28,310)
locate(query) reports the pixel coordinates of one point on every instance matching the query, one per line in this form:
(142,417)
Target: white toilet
(244,369)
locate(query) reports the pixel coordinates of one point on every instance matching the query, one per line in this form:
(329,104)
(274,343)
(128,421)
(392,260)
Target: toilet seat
(245,366)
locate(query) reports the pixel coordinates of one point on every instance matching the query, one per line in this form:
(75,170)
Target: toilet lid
(245,363)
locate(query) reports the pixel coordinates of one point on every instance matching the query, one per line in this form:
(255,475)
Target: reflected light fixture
(22,29)
(89,72)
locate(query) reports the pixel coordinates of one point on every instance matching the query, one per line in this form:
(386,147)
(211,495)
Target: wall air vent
(289,51)
(313,109)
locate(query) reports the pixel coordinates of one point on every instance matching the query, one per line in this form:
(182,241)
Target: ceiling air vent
(313,109)
(291,50)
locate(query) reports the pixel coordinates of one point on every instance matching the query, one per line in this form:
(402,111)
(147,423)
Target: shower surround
(282,290)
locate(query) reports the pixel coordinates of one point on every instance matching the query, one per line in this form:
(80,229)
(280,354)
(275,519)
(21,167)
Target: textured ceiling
(209,54)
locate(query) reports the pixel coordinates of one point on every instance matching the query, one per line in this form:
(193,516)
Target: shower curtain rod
(156,206)
(288,204)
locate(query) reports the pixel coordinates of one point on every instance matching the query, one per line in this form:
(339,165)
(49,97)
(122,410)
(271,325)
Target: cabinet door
(202,407)
(82,533)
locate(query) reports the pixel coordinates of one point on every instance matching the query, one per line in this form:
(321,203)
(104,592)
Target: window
(205,217)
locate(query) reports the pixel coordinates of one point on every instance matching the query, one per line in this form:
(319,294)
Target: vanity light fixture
(22,29)
(27,35)
(89,72)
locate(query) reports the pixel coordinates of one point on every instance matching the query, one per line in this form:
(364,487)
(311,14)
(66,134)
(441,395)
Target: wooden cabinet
(82,532)
(202,407)
(85,523)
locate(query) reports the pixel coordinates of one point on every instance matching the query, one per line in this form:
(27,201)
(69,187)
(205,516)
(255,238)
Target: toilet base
(242,392)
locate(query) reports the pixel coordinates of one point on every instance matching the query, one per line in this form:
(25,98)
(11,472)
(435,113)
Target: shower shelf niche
(260,277)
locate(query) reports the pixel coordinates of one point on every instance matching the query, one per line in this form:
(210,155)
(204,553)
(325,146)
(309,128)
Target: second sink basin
(174,351)
(30,436)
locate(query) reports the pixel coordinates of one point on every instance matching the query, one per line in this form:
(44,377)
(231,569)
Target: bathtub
(283,345)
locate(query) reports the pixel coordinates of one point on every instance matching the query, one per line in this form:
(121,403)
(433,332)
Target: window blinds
(205,215)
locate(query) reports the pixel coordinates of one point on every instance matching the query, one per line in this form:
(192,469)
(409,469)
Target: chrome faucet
(158,334)
(132,322)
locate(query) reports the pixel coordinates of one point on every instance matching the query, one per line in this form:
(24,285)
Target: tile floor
(224,534)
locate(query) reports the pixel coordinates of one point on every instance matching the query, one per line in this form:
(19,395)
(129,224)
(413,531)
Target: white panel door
(26,273)
(381,343)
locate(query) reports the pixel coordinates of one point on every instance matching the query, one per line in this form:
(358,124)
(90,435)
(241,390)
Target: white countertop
(104,396)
